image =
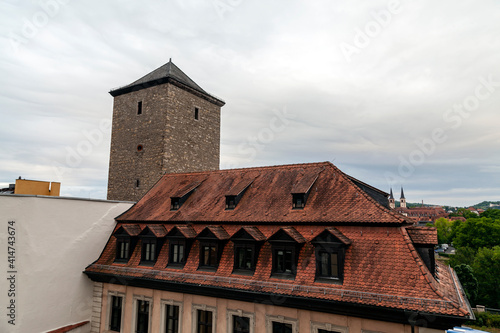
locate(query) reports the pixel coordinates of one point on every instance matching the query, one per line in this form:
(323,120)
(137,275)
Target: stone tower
(162,123)
(402,200)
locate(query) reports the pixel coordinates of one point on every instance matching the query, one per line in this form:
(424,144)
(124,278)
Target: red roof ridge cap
(255,168)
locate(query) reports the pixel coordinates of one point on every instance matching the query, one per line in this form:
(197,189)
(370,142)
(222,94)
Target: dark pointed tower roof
(391,196)
(168,73)
(402,194)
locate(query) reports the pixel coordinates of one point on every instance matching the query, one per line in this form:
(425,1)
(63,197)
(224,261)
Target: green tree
(443,227)
(463,255)
(478,232)
(491,213)
(469,282)
(487,271)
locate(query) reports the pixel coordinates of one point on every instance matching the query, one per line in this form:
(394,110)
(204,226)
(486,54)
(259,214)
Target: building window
(139,107)
(285,244)
(142,321)
(230,202)
(140,148)
(204,319)
(244,256)
(241,324)
(137,183)
(208,255)
(149,250)
(177,252)
(328,265)
(175,203)
(279,324)
(282,327)
(283,259)
(298,200)
(123,249)
(115,320)
(330,251)
(327,328)
(196,113)
(171,318)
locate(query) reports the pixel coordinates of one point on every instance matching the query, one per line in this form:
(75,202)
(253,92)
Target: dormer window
(179,240)
(299,200)
(301,189)
(175,203)
(330,252)
(182,195)
(230,201)
(123,248)
(152,238)
(285,245)
(212,240)
(247,242)
(235,193)
(125,241)
(148,250)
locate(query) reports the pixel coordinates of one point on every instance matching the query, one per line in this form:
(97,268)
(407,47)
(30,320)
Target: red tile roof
(382,266)
(157,229)
(131,229)
(423,235)
(255,233)
(240,186)
(334,231)
(333,199)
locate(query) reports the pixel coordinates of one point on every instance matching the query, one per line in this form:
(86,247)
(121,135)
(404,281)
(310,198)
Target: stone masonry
(164,138)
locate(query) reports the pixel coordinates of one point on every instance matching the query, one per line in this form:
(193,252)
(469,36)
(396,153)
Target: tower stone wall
(157,128)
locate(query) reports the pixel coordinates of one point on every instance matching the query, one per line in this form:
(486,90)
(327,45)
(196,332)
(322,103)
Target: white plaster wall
(56,238)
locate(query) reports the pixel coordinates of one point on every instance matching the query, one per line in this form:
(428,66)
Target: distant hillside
(486,204)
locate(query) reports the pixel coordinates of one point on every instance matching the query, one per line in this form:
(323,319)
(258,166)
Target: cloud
(364,114)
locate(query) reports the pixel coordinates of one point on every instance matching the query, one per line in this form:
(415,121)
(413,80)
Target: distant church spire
(392,202)
(402,200)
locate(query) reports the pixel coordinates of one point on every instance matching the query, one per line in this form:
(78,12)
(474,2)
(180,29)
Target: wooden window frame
(203,307)
(210,266)
(119,241)
(240,313)
(164,315)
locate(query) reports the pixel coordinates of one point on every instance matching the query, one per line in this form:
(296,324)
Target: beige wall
(55,239)
(304,321)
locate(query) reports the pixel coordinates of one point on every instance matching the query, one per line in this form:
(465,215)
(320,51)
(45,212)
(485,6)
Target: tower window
(137,183)
(140,147)
(139,107)
(196,113)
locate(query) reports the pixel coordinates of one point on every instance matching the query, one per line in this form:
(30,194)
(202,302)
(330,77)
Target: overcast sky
(394,93)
